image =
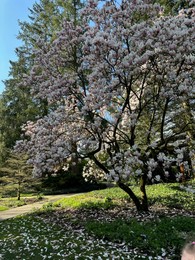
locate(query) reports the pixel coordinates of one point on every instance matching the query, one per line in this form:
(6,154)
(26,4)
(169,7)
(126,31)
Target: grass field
(104,225)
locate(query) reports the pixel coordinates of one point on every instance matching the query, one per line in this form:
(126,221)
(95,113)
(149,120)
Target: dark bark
(19,191)
(99,164)
(143,192)
(139,206)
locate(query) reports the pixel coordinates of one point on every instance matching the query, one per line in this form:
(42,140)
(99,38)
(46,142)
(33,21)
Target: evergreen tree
(16,171)
(173,7)
(17,105)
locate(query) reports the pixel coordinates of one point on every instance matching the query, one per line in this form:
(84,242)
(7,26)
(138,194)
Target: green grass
(32,237)
(2,208)
(7,203)
(85,201)
(151,236)
(169,195)
(163,234)
(8,196)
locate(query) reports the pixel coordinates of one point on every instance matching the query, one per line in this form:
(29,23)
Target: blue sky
(10,12)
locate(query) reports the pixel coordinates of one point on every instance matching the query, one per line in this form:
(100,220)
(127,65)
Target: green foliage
(48,207)
(8,191)
(17,105)
(62,180)
(28,189)
(40,196)
(173,7)
(16,108)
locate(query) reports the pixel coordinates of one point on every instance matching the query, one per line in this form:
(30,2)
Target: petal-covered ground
(61,235)
(33,238)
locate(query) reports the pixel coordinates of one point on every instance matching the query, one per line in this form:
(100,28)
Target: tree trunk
(74,165)
(18,191)
(143,192)
(139,206)
(189,120)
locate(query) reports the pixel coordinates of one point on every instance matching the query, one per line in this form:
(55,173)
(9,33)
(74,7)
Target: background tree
(172,7)
(18,105)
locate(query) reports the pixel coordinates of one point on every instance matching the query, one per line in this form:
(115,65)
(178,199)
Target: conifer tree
(16,172)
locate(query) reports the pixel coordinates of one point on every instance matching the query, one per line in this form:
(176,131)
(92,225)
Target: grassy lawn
(104,225)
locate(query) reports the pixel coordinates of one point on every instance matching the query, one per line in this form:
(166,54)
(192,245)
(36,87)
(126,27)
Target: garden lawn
(104,225)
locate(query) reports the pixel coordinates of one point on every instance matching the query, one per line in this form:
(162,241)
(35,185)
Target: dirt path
(11,213)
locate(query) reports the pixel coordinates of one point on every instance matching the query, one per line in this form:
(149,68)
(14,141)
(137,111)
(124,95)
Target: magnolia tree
(117,83)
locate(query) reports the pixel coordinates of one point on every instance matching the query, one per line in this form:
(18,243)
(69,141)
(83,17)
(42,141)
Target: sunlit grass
(2,208)
(169,195)
(11,202)
(85,201)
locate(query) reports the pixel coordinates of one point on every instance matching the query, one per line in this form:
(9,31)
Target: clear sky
(10,12)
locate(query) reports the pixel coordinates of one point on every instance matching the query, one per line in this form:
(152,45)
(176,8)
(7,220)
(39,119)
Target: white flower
(161,157)
(153,145)
(138,171)
(157,177)
(116,178)
(149,175)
